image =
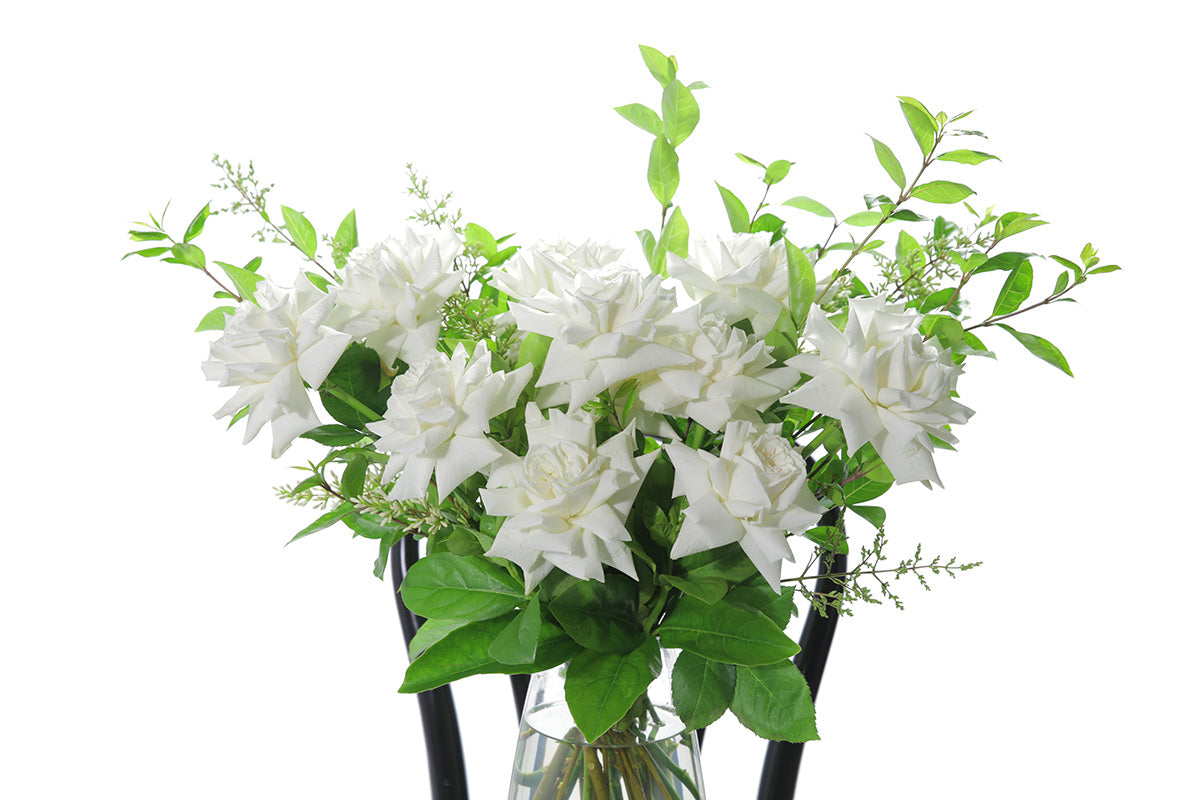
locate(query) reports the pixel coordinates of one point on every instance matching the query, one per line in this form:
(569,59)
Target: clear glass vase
(648,755)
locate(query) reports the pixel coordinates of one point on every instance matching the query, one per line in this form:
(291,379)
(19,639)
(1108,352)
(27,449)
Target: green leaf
(370,526)
(333,435)
(767,222)
(1006,261)
(215,319)
(432,630)
(1015,290)
(346,238)
(735,210)
(828,537)
(777,171)
(517,643)
(872,514)
(966,157)
(302,231)
(358,374)
(724,631)
(947,329)
(325,520)
(533,351)
(860,490)
(680,112)
(778,607)
(920,122)
(663,171)
(460,587)
(864,219)
(1016,222)
(708,589)
(1105,268)
(601,616)
(890,164)
(648,245)
(353,476)
(811,206)
(802,284)
(188,254)
(674,240)
(149,252)
(644,117)
(659,65)
(197,224)
(148,236)
(602,687)
(464,651)
(774,701)
(245,281)
(701,689)
(752,161)
(1041,348)
(696,85)
(942,192)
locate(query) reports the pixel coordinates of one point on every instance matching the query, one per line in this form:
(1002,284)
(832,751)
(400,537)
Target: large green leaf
(197,224)
(302,231)
(890,164)
(774,701)
(1015,290)
(325,520)
(663,170)
(358,374)
(602,687)
(517,643)
(966,157)
(600,616)
(1041,348)
(460,587)
(802,284)
(725,631)
(660,66)
(644,117)
(811,206)
(735,209)
(942,192)
(701,689)
(680,112)
(920,122)
(464,651)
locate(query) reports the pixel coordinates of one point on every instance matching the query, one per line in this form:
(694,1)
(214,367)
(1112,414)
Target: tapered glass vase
(648,755)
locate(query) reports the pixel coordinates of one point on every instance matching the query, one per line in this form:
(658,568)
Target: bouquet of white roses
(607,456)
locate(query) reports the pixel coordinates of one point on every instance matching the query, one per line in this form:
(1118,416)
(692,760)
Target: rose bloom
(742,276)
(884,382)
(393,294)
(754,493)
(270,349)
(551,268)
(566,502)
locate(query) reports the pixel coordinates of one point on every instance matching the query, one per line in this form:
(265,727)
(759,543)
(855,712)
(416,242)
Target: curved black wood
(781,766)
(443,744)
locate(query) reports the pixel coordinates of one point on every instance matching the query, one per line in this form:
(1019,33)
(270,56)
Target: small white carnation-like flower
(610,328)
(552,268)
(567,501)
(742,276)
(729,377)
(753,494)
(269,351)
(437,421)
(393,293)
(884,382)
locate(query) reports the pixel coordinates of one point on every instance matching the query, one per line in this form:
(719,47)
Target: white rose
(742,276)
(607,330)
(393,294)
(753,494)
(550,268)
(270,350)
(567,501)
(437,421)
(727,378)
(884,382)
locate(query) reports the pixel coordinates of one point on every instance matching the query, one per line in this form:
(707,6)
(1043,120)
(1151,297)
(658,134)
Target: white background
(159,641)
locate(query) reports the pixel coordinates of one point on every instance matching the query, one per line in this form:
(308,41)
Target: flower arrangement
(606,455)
